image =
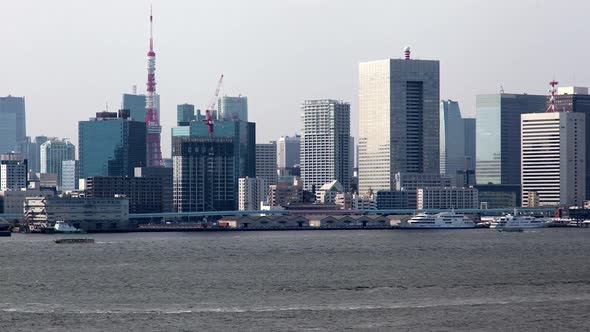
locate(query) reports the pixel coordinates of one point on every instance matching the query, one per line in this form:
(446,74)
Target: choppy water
(312,280)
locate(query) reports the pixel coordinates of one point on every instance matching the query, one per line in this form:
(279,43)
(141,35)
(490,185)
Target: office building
(325,136)
(399,120)
(136,105)
(266,162)
(457,141)
(13,130)
(111,145)
(144,194)
(86,213)
(31,151)
(53,153)
(288,151)
(446,198)
(498,135)
(233,108)
(204,174)
(553,159)
(251,193)
(395,200)
(413,181)
(185,113)
(13,172)
(166,175)
(242,134)
(498,196)
(577,100)
(70,175)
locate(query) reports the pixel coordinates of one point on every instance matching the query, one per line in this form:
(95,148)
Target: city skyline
(102,58)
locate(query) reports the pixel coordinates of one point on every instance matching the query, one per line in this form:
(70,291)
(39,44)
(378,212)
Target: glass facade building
(111,146)
(498,135)
(185,113)
(288,151)
(53,153)
(399,102)
(233,108)
(13,129)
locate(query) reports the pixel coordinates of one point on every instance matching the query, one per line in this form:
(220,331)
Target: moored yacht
(443,220)
(515,221)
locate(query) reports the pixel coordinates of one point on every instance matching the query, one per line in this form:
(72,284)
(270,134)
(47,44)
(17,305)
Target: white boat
(64,227)
(443,220)
(519,222)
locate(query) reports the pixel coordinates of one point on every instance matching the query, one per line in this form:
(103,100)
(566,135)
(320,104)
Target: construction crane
(208,118)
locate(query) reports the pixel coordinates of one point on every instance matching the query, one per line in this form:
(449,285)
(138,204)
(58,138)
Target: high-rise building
(288,151)
(185,113)
(111,145)
(53,153)
(204,175)
(70,175)
(13,172)
(251,192)
(243,135)
(233,108)
(325,136)
(32,152)
(498,135)
(577,100)
(457,141)
(135,104)
(166,175)
(266,162)
(553,159)
(13,130)
(399,120)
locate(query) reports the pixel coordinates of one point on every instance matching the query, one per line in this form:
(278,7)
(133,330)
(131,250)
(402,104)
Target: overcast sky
(71,57)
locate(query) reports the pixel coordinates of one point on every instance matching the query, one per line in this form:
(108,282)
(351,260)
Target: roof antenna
(501,89)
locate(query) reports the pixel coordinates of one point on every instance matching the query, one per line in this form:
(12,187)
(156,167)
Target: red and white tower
(552,91)
(152,114)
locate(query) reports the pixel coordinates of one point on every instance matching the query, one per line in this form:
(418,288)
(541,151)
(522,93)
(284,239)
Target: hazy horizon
(69,58)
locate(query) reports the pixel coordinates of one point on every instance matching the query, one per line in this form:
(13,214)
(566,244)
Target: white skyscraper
(399,120)
(553,170)
(251,192)
(288,151)
(233,108)
(70,174)
(325,137)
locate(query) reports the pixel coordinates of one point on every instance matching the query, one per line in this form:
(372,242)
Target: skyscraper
(13,172)
(70,174)
(53,153)
(266,162)
(553,159)
(399,120)
(577,100)
(233,108)
(136,105)
(111,145)
(325,136)
(457,140)
(204,176)
(13,130)
(185,113)
(288,151)
(498,135)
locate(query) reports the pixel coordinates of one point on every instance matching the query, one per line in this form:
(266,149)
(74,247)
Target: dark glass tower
(111,145)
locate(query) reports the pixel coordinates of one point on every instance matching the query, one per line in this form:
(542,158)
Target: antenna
(552,90)
(501,89)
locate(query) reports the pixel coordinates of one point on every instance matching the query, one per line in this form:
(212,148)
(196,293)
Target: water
(307,280)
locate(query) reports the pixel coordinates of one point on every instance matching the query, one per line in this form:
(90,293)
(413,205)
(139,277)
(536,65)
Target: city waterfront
(467,280)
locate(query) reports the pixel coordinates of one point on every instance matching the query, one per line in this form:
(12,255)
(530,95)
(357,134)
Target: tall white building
(325,139)
(53,153)
(398,120)
(251,192)
(266,162)
(553,163)
(233,108)
(288,151)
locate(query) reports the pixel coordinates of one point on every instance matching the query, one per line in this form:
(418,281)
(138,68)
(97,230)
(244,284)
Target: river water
(300,280)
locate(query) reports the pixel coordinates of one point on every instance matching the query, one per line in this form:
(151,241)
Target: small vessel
(80,240)
(511,221)
(65,228)
(514,229)
(443,220)
(5,229)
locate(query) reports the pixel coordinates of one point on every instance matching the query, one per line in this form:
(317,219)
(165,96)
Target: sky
(71,58)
